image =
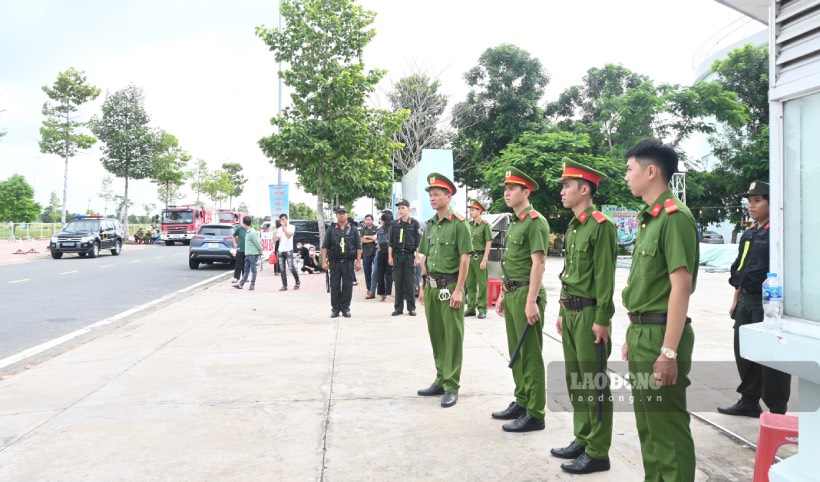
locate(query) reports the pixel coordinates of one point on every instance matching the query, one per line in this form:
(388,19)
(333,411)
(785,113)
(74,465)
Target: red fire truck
(230,216)
(180,223)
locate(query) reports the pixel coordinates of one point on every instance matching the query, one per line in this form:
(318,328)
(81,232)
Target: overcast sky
(211,82)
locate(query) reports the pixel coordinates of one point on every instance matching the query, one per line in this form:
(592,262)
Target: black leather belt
(749,291)
(342,260)
(405,250)
(651,319)
(476,254)
(511,285)
(575,304)
(440,281)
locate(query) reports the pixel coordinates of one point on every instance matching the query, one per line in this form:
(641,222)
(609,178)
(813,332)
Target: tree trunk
(125,208)
(320,210)
(65,192)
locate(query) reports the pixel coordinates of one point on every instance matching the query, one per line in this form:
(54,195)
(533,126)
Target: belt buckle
(433,283)
(475,256)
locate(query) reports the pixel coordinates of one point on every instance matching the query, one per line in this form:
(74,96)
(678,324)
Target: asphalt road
(45,299)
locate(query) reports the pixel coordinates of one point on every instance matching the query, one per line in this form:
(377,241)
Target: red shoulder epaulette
(533,214)
(670,206)
(460,216)
(599,216)
(766,227)
(485,221)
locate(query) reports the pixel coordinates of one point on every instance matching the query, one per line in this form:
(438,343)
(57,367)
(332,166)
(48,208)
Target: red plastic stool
(493,290)
(775,430)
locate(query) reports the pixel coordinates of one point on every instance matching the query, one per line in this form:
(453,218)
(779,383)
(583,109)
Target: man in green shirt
(239,259)
(481,237)
(253,248)
(588,283)
(660,339)
(445,245)
(522,301)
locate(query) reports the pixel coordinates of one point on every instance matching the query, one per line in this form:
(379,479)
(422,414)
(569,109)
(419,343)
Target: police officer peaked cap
(340,209)
(576,170)
(435,179)
(516,176)
(757,188)
(474,203)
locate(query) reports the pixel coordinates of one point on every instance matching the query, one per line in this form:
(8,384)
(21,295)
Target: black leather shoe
(510,413)
(412,312)
(742,408)
(571,451)
(334,314)
(481,316)
(431,391)
(397,313)
(469,313)
(524,423)
(585,464)
(449,399)
(346,314)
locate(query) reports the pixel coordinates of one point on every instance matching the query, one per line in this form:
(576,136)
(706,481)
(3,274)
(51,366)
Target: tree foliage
(503,103)
(168,169)
(199,176)
(420,95)
(238,181)
(62,131)
(302,211)
(335,143)
(128,141)
(17,200)
(106,192)
(52,212)
(218,186)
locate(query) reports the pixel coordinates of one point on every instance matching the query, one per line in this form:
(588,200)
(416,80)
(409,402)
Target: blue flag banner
(279,200)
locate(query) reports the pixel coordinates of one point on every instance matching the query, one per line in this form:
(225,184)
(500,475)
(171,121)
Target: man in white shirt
(285,233)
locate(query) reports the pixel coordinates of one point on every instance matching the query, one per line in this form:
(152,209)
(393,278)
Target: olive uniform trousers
(477,282)
(528,370)
(582,365)
(446,328)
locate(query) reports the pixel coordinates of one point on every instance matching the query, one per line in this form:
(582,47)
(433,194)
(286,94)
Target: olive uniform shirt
(667,239)
(480,234)
(443,243)
(528,233)
(589,268)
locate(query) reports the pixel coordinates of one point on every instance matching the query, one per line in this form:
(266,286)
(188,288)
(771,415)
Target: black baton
(521,339)
(601,351)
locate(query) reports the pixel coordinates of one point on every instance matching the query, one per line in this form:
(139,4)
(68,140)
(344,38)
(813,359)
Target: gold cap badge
(432,179)
(753,185)
(508,174)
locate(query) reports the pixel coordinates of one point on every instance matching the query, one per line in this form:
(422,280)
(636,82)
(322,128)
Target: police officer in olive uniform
(343,246)
(481,237)
(522,301)
(446,248)
(403,256)
(747,276)
(660,338)
(588,283)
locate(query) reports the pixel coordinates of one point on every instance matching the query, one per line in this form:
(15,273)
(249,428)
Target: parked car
(86,236)
(213,243)
(711,237)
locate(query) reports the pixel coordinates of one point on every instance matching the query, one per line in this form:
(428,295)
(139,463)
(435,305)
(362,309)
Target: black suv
(87,236)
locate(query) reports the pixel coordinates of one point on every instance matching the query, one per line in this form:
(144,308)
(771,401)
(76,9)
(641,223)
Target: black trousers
(384,275)
(404,275)
(341,284)
(238,266)
(758,381)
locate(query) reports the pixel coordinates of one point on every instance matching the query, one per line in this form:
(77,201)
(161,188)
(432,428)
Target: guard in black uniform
(403,256)
(747,276)
(343,246)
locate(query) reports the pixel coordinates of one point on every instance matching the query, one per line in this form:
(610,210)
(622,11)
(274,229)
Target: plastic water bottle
(772,302)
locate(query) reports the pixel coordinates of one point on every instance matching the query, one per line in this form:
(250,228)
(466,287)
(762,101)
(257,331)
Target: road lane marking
(106,266)
(65,338)
(69,272)
(136,261)
(18,281)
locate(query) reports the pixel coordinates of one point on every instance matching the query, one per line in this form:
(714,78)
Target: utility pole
(279,78)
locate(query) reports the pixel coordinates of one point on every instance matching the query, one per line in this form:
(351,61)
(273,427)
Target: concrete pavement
(225,384)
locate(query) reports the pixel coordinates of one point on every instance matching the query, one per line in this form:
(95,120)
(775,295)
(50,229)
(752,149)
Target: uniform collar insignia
(583,217)
(656,210)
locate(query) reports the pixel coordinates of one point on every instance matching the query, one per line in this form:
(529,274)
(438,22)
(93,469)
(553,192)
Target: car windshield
(215,231)
(227,217)
(82,227)
(181,217)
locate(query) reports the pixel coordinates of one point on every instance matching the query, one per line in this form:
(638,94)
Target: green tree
(243,208)
(542,155)
(335,143)
(420,95)
(218,186)
(199,177)
(122,204)
(106,192)
(506,88)
(302,211)
(61,132)
(129,142)
(17,200)
(51,213)
(168,170)
(234,170)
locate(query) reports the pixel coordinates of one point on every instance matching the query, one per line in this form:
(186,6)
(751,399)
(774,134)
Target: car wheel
(193,264)
(117,248)
(56,254)
(95,251)
(169,243)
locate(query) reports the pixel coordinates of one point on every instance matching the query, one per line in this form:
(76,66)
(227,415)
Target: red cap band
(440,183)
(518,180)
(576,173)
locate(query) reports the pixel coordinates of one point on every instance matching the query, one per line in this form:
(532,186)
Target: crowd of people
(147,236)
